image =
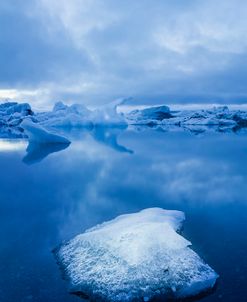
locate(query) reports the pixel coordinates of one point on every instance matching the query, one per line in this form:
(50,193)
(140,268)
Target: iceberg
(78,115)
(107,115)
(152,115)
(38,134)
(219,118)
(66,116)
(135,257)
(11,116)
(216,117)
(17,109)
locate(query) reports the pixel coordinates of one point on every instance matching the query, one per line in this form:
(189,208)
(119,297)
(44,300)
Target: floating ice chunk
(10,108)
(66,116)
(60,106)
(107,115)
(149,115)
(208,121)
(23,109)
(135,257)
(39,134)
(217,116)
(79,116)
(75,108)
(240,117)
(11,115)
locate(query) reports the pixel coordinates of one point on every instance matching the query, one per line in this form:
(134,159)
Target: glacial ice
(11,116)
(17,110)
(38,134)
(78,115)
(149,115)
(107,115)
(220,117)
(135,257)
(63,116)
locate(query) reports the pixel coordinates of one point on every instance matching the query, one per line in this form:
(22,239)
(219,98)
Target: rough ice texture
(149,115)
(135,257)
(38,134)
(79,116)
(63,116)
(219,118)
(108,115)
(11,116)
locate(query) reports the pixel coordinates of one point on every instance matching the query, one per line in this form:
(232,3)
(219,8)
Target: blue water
(50,195)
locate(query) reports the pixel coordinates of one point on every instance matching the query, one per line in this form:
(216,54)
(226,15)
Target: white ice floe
(220,117)
(13,108)
(37,133)
(78,116)
(149,115)
(135,257)
(107,115)
(62,116)
(11,115)
(65,116)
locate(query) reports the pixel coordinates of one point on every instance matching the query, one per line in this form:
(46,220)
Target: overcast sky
(95,50)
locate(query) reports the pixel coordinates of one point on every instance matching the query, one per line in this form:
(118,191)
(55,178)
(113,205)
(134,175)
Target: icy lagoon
(51,194)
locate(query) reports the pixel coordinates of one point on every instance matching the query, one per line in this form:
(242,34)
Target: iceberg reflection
(104,135)
(108,136)
(37,152)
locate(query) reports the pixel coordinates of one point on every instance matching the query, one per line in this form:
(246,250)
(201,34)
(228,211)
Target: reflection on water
(87,183)
(7,145)
(37,152)
(108,136)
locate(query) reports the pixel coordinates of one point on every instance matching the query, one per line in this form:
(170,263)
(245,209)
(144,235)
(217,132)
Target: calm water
(49,196)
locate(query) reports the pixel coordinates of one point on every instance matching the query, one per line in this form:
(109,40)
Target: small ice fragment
(126,259)
(39,134)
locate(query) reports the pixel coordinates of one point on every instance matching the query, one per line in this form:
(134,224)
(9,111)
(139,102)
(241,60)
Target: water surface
(51,194)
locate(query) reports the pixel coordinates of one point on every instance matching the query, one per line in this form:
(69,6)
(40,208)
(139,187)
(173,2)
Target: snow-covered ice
(11,116)
(37,133)
(219,117)
(64,116)
(149,115)
(78,115)
(135,257)
(108,115)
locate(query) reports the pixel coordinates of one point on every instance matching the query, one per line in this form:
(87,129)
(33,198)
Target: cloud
(93,50)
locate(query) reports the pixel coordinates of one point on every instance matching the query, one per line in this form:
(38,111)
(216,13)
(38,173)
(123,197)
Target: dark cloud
(29,55)
(97,50)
